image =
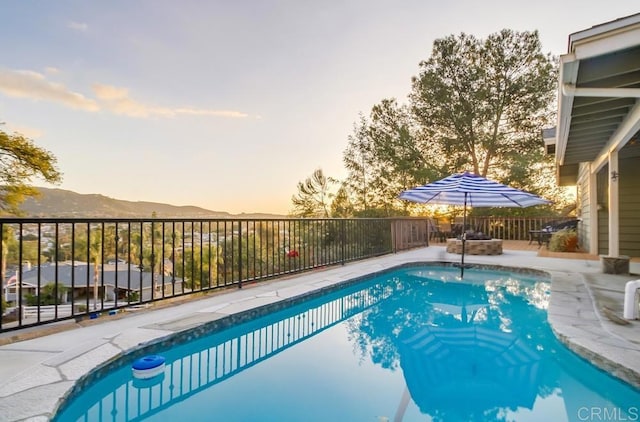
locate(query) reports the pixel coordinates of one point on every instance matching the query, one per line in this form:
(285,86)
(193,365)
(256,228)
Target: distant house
(82,281)
(597,139)
(11,288)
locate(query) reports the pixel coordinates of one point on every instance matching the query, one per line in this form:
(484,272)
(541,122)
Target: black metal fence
(56,269)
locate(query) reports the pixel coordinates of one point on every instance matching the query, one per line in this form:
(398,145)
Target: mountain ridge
(61,203)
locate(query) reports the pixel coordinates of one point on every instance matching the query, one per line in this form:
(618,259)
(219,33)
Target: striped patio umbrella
(468,189)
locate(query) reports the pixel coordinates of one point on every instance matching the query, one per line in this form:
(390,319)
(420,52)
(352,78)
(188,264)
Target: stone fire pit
(475,247)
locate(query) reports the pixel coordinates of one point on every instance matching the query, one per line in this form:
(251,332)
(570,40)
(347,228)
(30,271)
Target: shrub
(133,296)
(47,295)
(565,240)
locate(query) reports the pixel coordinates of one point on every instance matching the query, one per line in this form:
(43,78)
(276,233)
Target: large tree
(357,158)
(342,206)
(476,105)
(21,161)
(386,155)
(484,102)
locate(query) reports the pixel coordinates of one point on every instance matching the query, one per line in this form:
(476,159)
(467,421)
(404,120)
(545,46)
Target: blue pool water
(414,344)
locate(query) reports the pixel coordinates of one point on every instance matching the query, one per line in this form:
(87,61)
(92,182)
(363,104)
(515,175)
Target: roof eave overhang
(568,75)
(600,40)
(603,39)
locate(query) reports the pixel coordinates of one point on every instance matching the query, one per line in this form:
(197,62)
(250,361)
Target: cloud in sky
(78,26)
(29,132)
(118,101)
(33,85)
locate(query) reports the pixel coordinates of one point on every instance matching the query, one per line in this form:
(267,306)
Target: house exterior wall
(583,199)
(602,198)
(629,208)
(629,191)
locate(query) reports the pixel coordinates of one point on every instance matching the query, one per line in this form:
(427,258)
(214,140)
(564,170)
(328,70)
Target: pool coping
(572,314)
(577,322)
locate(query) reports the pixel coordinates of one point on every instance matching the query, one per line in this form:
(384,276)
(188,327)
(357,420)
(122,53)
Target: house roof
(598,107)
(107,275)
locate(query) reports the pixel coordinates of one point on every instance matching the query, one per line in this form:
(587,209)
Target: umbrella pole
(464,234)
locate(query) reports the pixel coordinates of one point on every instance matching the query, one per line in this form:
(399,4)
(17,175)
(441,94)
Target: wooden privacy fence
(408,233)
(510,228)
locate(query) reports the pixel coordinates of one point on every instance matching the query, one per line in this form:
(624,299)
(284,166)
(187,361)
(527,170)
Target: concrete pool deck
(37,372)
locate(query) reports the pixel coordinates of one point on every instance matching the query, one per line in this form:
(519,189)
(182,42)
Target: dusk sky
(227,105)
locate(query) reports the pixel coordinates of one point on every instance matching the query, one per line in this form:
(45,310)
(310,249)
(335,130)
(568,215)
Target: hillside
(63,203)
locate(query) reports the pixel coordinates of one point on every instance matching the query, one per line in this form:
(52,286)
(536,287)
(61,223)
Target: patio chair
(433,229)
(444,231)
(544,236)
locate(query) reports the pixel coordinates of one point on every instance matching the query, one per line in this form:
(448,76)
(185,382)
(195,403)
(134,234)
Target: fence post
(239,252)
(343,236)
(394,246)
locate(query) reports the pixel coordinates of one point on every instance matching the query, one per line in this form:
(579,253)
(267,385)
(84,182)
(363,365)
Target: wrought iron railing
(56,269)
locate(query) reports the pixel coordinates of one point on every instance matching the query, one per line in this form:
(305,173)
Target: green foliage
(20,162)
(379,213)
(484,102)
(538,211)
(356,158)
(386,155)
(200,267)
(476,105)
(342,206)
(133,296)
(48,295)
(314,194)
(565,240)
(29,251)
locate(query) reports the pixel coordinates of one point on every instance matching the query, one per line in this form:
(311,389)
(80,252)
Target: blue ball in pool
(148,366)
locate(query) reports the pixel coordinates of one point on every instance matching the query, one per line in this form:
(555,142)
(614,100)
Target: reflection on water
(405,346)
(487,366)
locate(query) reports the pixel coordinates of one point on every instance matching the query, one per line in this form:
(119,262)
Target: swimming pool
(407,345)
